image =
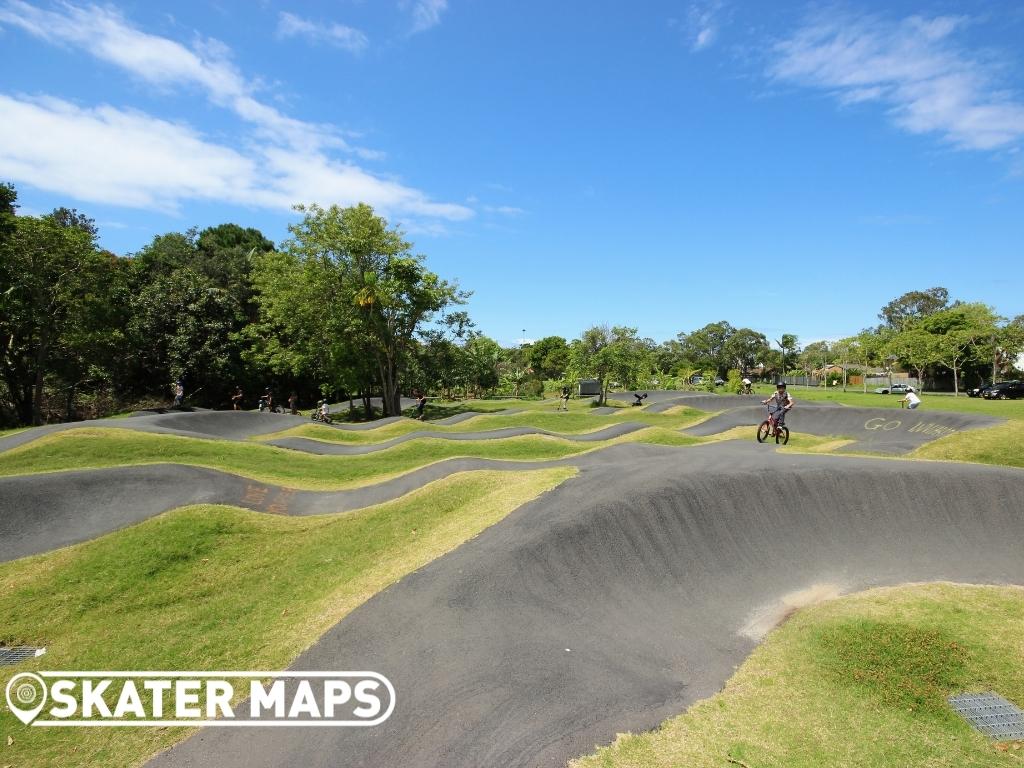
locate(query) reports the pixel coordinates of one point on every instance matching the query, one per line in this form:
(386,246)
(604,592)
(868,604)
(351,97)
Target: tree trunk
(69,404)
(956,382)
(37,394)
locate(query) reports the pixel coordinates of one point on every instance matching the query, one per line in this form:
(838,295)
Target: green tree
(549,357)
(225,255)
(913,306)
(815,356)
(182,326)
(50,276)
(483,362)
(789,345)
(165,254)
(708,347)
(608,354)
(357,285)
(745,348)
(914,347)
(959,332)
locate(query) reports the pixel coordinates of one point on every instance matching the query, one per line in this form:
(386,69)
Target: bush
(532,388)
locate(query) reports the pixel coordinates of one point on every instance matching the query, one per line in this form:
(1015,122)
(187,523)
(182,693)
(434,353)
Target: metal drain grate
(10,656)
(991,714)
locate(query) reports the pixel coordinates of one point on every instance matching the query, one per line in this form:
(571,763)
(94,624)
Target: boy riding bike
(779,403)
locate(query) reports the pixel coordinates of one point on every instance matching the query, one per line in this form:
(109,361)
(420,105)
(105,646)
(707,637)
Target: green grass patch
(1002,445)
(660,436)
(9,432)
(1007,409)
(860,681)
(213,587)
(568,423)
(97,448)
(900,665)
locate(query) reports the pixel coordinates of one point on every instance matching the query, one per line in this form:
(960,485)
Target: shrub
(532,388)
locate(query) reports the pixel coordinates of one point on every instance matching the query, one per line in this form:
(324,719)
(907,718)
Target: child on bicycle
(779,403)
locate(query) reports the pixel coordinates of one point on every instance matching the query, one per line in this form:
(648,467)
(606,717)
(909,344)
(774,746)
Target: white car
(897,389)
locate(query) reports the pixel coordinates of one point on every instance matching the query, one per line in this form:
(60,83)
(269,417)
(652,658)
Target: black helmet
(781,385)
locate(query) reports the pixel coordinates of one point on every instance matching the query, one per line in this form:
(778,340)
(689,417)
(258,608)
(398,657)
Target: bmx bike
(771,428)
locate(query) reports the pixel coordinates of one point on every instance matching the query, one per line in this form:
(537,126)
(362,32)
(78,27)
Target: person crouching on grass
(911,401)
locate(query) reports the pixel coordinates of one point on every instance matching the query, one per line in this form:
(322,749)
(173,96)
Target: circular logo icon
(26,696)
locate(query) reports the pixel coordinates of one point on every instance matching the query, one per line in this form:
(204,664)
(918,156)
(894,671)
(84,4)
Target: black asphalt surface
(221,425)
(621,597)
(879,430)
(39,513)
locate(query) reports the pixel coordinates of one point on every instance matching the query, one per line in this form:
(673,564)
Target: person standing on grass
(564,399)
(911,401)
(179,394)
(421,404)
(236,399)
(293,402)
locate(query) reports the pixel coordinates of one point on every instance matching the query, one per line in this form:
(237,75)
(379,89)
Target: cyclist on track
(779,403)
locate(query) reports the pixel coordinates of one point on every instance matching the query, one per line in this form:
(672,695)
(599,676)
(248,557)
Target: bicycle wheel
(782,435)
(763,431)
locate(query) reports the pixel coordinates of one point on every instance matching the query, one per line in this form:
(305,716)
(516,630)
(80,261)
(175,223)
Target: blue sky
(785,166)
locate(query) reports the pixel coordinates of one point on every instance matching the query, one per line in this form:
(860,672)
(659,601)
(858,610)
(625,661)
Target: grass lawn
(213,587)
(9,432)
(1002,445)
(860,681)
(96,448)
(1007,409)
(571,422)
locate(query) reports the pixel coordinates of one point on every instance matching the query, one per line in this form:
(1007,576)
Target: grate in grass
(991,714)
(10,656)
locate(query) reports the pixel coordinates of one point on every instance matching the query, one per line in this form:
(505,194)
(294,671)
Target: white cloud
(914,66)
(703,23)
(126,157)
(505,210)
(346,38)
(116,156)
(105,34)
(426,14)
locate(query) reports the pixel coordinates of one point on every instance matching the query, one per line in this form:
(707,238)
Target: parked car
(897,389)
(719,382)
(1008,390)
(980,391)
(696,379)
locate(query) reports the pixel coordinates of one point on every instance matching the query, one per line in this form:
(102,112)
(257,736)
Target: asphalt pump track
(614,601)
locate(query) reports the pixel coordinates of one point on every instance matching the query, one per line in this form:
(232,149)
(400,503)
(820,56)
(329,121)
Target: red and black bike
(771,428)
